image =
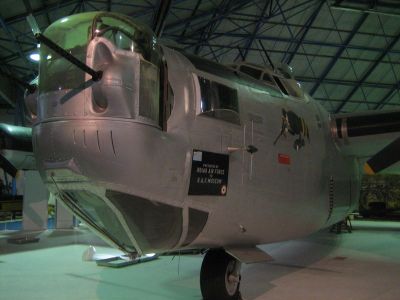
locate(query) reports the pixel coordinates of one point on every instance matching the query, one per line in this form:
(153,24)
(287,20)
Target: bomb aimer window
(219,101)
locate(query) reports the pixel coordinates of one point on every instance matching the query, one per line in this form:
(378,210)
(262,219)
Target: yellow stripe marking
(368,170)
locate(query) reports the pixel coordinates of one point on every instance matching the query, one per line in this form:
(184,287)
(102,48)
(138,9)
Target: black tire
(365,214)
(213,276)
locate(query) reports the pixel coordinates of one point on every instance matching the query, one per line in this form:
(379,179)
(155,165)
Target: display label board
(209,175)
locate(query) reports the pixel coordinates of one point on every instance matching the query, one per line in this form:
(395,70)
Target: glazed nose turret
(116,74)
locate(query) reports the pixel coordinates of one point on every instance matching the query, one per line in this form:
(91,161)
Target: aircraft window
(255,73)
(73,34)
(232,66)
(149,94)
(267,78)
(219,101)
(120,39)
(281,86)
(166,97)
(155,225)
(227,73)
(126,35)
(96,210)
(56,72)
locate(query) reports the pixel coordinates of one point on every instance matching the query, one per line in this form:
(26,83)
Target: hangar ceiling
(345,53)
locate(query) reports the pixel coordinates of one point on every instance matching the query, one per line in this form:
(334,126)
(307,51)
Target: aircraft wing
(16,149)
(372,137)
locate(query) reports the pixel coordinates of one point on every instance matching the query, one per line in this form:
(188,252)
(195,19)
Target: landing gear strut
(220,276)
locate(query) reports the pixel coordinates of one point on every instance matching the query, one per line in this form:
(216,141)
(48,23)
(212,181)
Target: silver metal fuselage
(79,149)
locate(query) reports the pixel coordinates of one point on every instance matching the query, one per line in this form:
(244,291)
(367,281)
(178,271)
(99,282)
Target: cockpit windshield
(74,33)
(125,35)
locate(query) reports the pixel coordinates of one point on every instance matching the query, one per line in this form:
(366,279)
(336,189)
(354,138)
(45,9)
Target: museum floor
(362,265)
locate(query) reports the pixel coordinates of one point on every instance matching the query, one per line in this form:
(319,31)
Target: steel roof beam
(343,47)
(370,69)
(351,101)
(160,16)
(292,35)
(207,30)
(14,56)
(28,6)
(18,69)
(39,11)
(20,42)
(306,42)
(255,31)
(95,8)
(282,12)
(235,6)
(386,98)
(121,3)
(222,46)
(254,18)
(245,36)
(349,82)
(216,35)
(366,11)
(242,5)
(194,11)
(304,32)
(15,43)
(78,7)
(7,49)
(260,37)
(7,90)
(224,9)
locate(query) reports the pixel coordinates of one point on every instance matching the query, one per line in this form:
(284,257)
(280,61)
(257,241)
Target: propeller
(7,166)
(384,158)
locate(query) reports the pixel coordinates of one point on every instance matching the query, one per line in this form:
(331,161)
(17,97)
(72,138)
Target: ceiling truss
(320,39)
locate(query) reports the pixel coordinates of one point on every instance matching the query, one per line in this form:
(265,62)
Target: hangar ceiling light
(34,56)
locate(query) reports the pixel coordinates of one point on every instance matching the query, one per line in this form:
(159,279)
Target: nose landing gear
(220,276)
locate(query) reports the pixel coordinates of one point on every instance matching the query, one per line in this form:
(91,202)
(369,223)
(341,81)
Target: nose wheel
(220,276)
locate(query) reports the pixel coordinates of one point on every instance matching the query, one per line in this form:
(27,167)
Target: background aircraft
(158,150)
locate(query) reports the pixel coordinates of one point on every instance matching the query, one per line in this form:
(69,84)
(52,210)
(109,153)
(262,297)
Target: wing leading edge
(16,149)
(372,137)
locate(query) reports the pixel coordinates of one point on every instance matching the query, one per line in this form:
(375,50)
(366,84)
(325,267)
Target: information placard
(209,174)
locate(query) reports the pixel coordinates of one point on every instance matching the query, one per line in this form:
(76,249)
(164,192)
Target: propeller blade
(384,158)
(7,166)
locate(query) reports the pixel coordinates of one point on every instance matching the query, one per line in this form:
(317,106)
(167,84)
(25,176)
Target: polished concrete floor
(362,265)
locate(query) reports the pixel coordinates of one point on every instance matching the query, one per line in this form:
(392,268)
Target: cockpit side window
(219,101)
(149,91)
(255,73)
(268,79)
(280,84)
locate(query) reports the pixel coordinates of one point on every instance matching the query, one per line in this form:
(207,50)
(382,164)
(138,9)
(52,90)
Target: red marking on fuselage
(283,159)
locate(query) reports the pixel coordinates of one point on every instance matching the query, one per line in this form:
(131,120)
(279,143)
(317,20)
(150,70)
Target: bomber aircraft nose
(99,122)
